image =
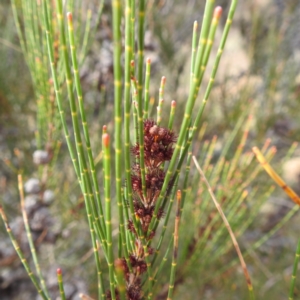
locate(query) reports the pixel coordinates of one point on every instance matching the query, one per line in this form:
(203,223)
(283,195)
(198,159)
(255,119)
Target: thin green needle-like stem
(135,119)
(116,10)
(172,114)
(147,86)
(84,124)
(158,110)
(161,99)
(164,260)
(194,50)
(140,132)
(22,256)
(186,178)
(218,12)
(81,180)
(107,184)
(132,27)
(140,42)
(295,268)
(85,179)
(127,105)
(60,284)
(215,20)
(58,91)
(165,225)
(120,279)
(203,58)
(93,227)
(175,247)
(188,110)
(29,236)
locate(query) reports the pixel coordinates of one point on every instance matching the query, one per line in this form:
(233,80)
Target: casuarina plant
(145,159)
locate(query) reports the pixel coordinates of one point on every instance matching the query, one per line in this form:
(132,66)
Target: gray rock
(40,157)
(32,186)
(41,219)
(48,197)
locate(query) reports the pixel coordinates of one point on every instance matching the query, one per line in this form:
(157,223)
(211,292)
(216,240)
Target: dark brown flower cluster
(158,144)
(158,148)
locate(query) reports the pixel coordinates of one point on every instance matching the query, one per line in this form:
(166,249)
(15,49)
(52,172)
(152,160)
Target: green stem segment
(107,184)
(295,268)
(22,256)
(60,284)
(175,247)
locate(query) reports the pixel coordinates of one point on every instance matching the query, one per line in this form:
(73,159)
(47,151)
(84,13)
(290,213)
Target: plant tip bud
(105,139)
(218,12)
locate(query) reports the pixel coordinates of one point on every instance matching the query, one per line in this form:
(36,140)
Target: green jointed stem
(161,99)
(140,42)
(58,91)
(172,114)
(188,109)
(116,10)
(159,107)
(139,123)
(210,39)
(127,105)
(132,28)
(186,178)
(295,268)
(201,60)
(29,236)
(194,50)
(94,227)
(67,135)
(220,50)
(85,176)
(147,86)
(135,119)
(175,247)
(60,284)
(164,260)
(141,148)
(22,257)
(120,279)
(107,184)
(84,123)
(165,226)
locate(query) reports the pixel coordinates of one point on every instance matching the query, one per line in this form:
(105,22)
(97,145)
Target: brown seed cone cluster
(158,148)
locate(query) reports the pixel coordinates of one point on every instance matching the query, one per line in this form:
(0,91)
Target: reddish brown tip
(69,16)
(148,61)
(173,103)
(104,129)
(179,194)
(58,271)
(163,80)
(218,12)
(274,149)
(105,139)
